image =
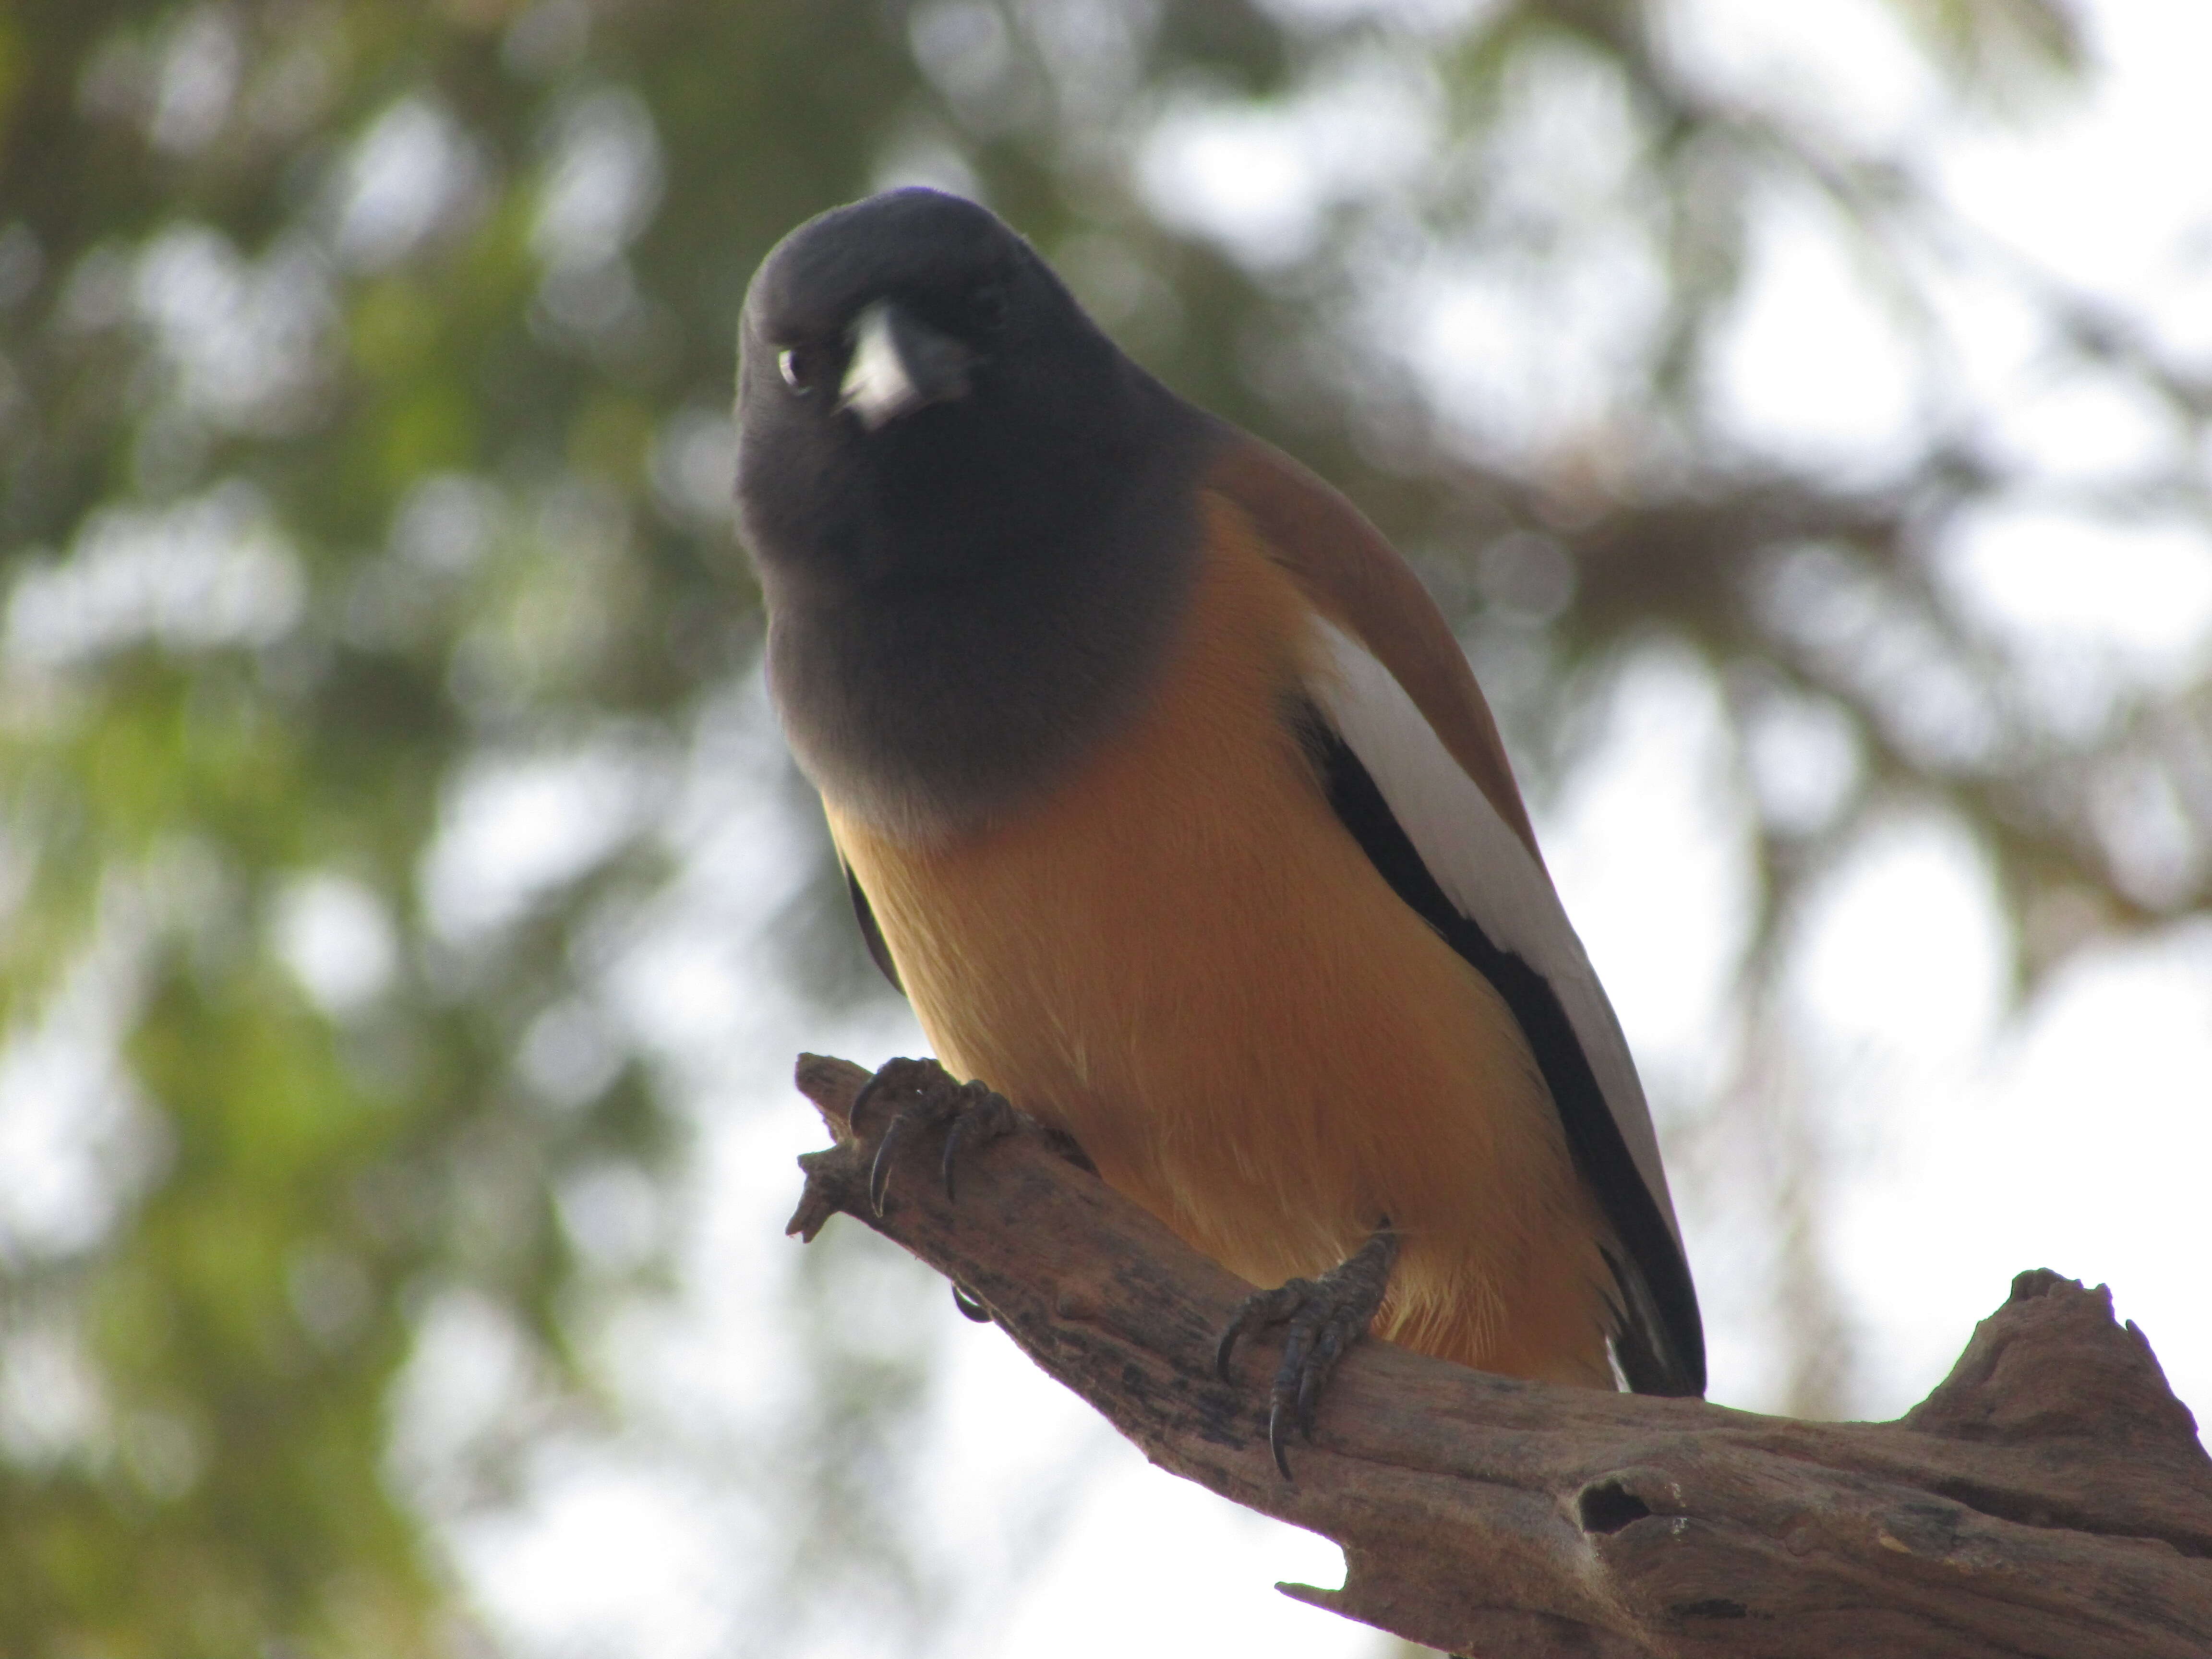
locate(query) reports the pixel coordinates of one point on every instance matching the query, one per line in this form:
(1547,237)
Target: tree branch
(2050,1499)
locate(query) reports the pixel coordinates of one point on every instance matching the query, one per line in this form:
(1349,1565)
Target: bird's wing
(1415,767)
(872,932)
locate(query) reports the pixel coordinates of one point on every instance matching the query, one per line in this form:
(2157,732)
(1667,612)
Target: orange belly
(1182,957)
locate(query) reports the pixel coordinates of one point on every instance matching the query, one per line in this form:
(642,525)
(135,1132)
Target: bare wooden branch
(2050,1499)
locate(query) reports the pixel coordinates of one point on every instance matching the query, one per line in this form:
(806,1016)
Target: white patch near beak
(877,385)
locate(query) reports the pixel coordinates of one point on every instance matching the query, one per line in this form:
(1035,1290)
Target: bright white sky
(1965,1149)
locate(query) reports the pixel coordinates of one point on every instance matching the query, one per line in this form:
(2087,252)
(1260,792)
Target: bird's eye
(987,306)
(801,367)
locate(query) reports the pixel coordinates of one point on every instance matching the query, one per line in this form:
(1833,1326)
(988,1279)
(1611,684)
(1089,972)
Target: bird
(1164,792)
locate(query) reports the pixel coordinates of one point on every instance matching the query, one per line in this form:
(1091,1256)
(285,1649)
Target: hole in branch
(1607,1506)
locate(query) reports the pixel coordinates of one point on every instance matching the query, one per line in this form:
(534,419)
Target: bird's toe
(1322,1318)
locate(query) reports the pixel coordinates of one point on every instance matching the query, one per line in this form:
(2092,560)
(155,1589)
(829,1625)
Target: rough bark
(2050,1498)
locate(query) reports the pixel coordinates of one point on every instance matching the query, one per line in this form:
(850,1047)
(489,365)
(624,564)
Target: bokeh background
(408,913)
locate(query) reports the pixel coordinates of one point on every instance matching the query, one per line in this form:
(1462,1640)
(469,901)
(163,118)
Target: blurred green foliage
(362,377)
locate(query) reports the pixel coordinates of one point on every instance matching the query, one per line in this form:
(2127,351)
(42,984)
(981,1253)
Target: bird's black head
(973,518)
(920,397)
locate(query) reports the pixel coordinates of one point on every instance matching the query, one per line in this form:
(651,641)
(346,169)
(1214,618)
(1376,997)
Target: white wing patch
(1485,870)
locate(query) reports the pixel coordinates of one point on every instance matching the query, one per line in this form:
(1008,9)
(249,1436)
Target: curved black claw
(969,1307)
(926,1096)
(1325,1316)
(879,1167)
(874,1086)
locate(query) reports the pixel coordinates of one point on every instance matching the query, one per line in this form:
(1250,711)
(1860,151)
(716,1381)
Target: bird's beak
(900,364)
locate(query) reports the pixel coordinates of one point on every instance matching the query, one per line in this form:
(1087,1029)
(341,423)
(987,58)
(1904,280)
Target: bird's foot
(922,1095)
(1325,1315)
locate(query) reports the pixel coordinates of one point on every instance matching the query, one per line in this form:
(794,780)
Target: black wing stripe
(870,931)
(1662,1346)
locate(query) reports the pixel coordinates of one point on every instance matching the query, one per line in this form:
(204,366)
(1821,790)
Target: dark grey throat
(931,697)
